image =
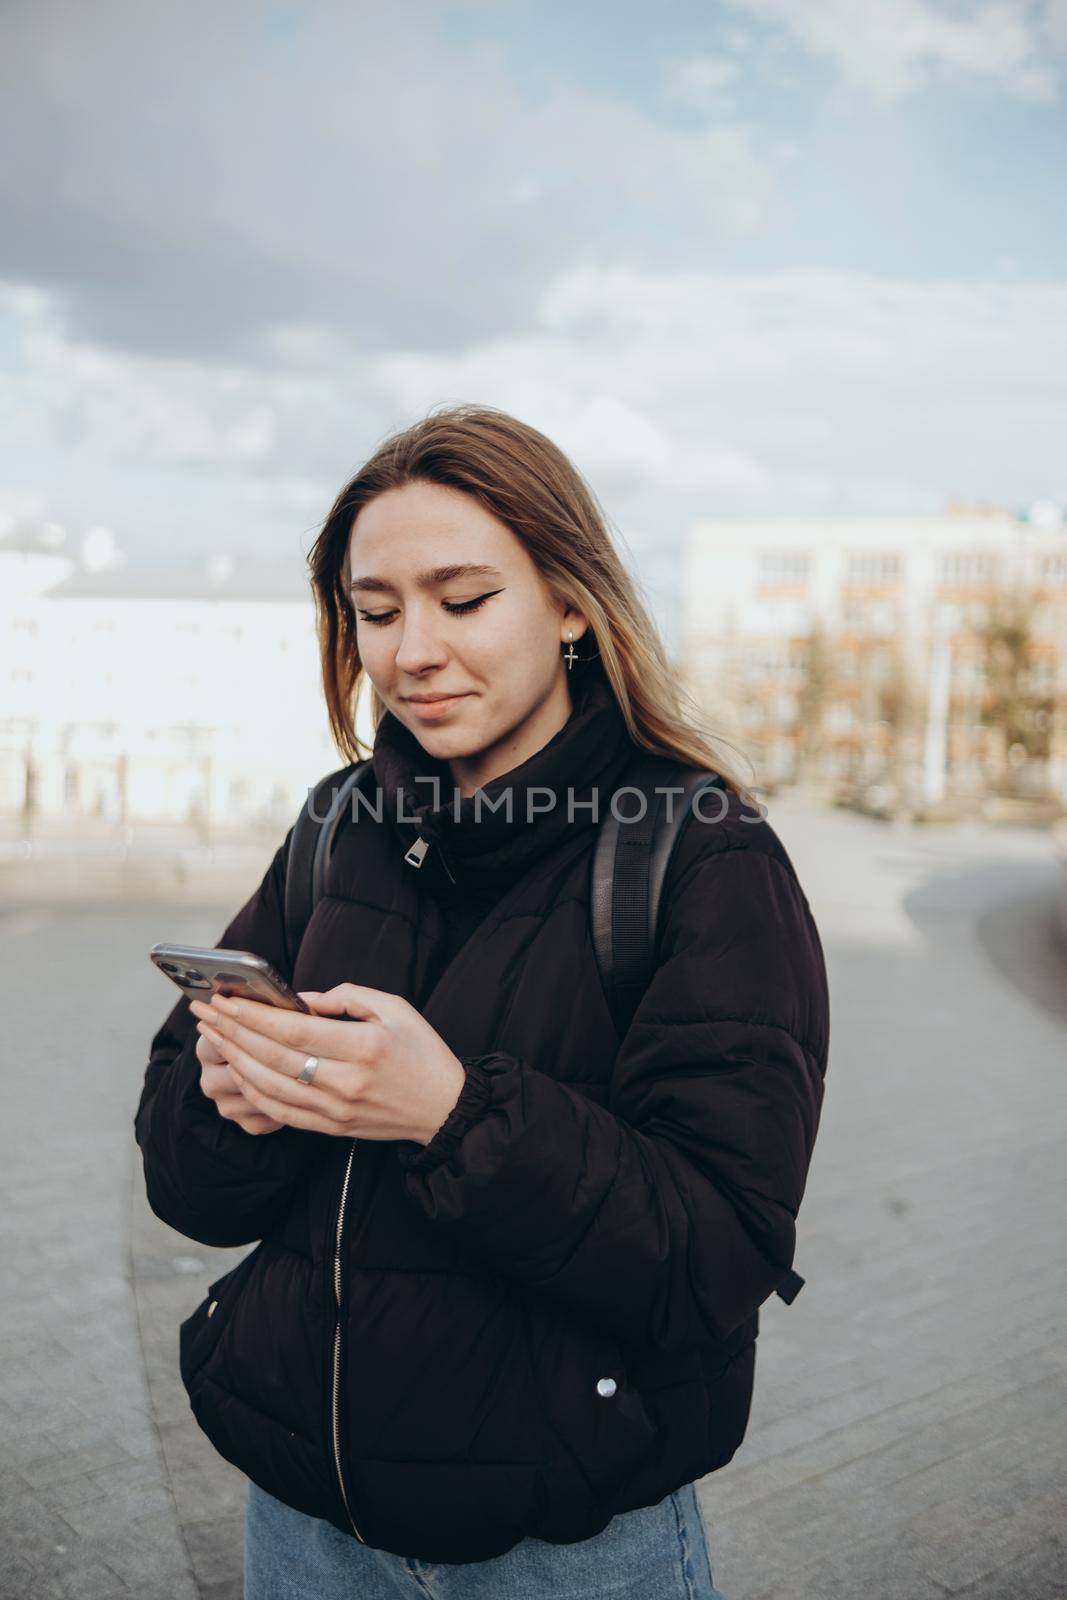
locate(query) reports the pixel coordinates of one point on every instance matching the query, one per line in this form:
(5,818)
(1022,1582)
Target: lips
(431,710)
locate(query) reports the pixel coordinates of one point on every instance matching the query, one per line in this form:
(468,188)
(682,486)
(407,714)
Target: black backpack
(627,872)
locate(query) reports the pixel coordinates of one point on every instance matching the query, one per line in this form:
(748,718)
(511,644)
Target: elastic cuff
(473,1099)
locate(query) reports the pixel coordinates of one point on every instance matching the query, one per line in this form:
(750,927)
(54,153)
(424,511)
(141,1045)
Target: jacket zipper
(336,1397)
(417,855)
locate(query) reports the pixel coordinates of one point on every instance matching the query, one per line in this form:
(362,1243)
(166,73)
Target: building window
(968,566)
(872,566)
(784,566)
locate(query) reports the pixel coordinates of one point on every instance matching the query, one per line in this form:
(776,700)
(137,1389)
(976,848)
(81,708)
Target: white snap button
(606,1387)
(211,1308)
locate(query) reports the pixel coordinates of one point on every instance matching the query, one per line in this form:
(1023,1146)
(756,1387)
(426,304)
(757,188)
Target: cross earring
(571,656)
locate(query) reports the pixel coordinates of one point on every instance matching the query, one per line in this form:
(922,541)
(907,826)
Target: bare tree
(817,670)
(1019,712)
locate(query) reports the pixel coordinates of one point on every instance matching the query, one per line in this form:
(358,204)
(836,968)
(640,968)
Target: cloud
(838,384)
(891,48)
(677,393)
(700,80)
(203,181)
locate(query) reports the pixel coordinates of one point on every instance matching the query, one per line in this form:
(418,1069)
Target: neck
(516,746)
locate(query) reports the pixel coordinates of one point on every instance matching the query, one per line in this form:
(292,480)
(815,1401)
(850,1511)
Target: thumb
(313,999)
(345,1000)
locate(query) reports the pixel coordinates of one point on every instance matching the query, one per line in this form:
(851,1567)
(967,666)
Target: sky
(748,258)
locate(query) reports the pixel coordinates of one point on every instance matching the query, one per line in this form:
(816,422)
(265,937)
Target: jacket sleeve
(667,1215)
(204,1175)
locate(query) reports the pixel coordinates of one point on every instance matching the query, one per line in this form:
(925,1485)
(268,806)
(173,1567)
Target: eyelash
(462,608)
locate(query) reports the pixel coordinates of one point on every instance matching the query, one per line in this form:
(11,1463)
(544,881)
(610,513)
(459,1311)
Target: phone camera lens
(193,980)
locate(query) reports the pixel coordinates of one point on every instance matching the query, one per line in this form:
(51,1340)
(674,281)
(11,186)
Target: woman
(504,1307)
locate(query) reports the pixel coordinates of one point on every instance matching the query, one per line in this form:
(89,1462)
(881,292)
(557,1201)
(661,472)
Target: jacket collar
(472,844)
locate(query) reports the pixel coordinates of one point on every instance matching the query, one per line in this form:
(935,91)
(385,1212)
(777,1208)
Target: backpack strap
(630,862)
(310,847)
(629,867)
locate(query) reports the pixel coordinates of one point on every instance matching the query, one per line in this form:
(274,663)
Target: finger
(230,1100)
(216,1080)
(255,1122)
(205,1026)
(333,1076)
(233,1106)
(306,1036)
(233,1035)
(289,1115)
(200,1009)
(207,1052)
(354,1000)
(285,1090)
(214,1040)
(251,1121)
(222,1086)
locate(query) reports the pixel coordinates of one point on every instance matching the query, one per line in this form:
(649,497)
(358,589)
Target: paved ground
(908,1432)
(87,1505)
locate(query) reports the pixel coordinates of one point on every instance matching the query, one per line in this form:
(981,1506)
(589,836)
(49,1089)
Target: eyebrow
(432,577)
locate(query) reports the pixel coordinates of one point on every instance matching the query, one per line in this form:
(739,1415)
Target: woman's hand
(218,1083)
(383,1073)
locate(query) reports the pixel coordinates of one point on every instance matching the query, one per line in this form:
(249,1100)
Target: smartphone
(200,973)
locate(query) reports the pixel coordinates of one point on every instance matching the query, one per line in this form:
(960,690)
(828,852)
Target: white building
(170,698)
(884,609)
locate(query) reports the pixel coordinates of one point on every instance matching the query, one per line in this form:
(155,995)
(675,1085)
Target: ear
(573,622)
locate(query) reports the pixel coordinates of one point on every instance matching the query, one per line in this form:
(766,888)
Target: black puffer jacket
(547,1315)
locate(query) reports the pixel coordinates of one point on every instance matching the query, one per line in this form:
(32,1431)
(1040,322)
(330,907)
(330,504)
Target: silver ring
(308,1070)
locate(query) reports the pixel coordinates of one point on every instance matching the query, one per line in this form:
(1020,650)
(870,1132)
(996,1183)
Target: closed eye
(457,608)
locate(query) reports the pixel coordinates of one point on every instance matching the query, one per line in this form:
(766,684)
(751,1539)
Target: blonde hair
(527,482)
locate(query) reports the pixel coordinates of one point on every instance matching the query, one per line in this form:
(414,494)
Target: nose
(420,646)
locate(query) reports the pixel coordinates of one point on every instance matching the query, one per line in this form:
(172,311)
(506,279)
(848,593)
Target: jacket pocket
(590,1401)
(201,1331)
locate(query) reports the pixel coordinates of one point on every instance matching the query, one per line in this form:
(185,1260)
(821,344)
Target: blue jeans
(655,1553)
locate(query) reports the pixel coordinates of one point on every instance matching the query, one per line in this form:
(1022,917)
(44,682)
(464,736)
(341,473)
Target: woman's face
(489,639)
